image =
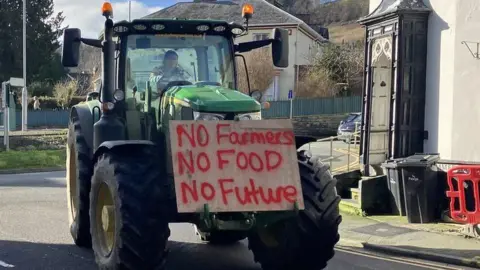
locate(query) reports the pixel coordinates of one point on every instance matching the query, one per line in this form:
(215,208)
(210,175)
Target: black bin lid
(392,163)
(420,160)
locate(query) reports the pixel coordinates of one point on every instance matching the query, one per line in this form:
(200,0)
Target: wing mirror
(280,47)
(71,47)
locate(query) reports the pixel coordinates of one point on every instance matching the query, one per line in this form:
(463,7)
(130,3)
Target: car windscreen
(351,117)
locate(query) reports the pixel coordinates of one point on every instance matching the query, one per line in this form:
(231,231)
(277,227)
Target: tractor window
(167,58)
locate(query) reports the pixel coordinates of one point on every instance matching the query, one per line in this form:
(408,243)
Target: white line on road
(6,265)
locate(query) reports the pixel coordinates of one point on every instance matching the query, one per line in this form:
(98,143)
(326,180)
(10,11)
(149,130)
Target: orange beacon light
(107,9)
(247,11)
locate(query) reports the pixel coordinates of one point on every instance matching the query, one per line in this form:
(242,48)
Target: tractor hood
(212,99)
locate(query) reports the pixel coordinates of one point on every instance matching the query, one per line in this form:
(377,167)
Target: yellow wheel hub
(105,217)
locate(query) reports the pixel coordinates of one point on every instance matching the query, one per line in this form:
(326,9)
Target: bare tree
(337,71)
(260,70)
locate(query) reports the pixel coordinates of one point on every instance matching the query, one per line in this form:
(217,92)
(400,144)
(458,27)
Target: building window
(261,36)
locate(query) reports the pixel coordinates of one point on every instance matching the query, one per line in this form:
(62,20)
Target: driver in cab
(169,71)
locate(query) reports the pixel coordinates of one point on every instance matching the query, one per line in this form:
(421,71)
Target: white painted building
(452,78)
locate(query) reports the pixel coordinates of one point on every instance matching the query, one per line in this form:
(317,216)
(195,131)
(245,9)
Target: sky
(86,14)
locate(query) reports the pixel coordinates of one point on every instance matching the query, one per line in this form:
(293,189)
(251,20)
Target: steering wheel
(204,83)
(162,87)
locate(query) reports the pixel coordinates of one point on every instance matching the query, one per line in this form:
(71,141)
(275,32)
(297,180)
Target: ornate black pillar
(394,81)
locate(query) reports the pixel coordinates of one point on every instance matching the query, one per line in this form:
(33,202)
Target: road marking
(351,165)
(6,265)
(397,259)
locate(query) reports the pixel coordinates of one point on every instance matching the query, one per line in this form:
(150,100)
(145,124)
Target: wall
(373,5)
(452,83)
(452,118)
(317,125)
(466,90)
(441,51)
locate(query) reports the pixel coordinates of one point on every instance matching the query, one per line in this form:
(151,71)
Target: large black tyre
(221,237)
(79,172)
(140,196)
(306,242)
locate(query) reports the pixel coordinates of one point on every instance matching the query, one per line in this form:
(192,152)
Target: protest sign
(235,165)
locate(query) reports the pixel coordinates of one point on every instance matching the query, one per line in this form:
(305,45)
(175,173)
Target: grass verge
(33,159)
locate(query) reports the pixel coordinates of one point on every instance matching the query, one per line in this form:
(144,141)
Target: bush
(64,92)
(260,70)
(315,83)
(51,103)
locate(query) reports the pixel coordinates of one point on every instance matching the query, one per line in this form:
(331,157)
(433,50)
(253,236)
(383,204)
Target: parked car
(346,129)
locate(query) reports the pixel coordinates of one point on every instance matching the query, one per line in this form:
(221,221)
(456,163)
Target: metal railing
(353,137)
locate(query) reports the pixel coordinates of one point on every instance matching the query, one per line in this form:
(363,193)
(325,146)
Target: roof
(266,14)
(392,6)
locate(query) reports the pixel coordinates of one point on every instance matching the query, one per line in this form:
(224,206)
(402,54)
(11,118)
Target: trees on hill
(328,12)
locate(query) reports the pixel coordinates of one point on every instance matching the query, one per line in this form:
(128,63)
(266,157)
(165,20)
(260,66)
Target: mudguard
(127,146)
(302,140)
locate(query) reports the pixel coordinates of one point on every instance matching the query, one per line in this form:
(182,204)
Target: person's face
(171,61)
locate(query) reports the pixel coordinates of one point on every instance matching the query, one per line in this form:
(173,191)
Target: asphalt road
(34,235)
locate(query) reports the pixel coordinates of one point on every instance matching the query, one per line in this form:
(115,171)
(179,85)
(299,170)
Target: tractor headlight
(250,116)
(207,116)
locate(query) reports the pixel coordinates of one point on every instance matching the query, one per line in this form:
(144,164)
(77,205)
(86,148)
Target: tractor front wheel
(128,211)
(306,242)
(79,172)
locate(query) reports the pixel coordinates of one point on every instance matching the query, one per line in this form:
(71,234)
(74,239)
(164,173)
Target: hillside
(339,16)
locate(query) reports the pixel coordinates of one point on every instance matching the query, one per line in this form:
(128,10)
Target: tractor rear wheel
(221,237)
(129,210)
(306,242)
(79,172)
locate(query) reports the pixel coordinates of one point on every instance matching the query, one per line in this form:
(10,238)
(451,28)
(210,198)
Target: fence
(278,109)
(313,106)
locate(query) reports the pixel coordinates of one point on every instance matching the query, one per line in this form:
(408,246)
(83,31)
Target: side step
(351,207)
(368,198)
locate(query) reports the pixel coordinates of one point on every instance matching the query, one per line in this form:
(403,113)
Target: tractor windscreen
(186,57)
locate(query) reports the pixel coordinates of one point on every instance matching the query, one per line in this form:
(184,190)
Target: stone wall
(317,125)
(56,140)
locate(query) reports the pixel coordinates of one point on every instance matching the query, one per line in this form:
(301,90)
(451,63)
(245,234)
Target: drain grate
(382,230)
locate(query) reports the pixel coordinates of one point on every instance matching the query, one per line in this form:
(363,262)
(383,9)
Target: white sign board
(236,166)
(17,82)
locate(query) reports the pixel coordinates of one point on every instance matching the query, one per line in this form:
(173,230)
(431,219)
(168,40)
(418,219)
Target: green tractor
(120,181)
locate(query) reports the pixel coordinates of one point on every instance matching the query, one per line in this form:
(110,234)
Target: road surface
(34,235)
(339,151)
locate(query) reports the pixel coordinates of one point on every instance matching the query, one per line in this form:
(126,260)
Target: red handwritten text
(253,137)
(231,192)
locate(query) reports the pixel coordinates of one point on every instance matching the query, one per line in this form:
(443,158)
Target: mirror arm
(251,45)
(92,42)
(246,72)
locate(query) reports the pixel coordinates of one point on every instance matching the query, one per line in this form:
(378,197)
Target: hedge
(49,102)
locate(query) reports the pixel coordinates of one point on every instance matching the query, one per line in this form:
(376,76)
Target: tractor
(120,183)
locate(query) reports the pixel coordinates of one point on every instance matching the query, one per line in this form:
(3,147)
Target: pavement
(34,235)
(436,242)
